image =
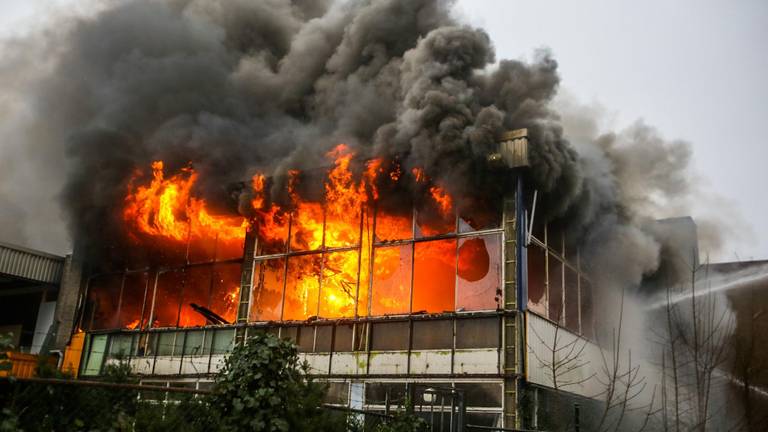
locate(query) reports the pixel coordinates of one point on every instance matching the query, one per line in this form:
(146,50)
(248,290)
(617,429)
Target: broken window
(479,215)
(537,279)
(271,232)
(389,336)
(571,300)
(132,307)
(479,272)
(196,295)
(267,292)
(307,227)
(225,292)
(394,224)
(302,287)
(342,227)
(555,237)
(167,299)
(361,336)
(433,335)
(201,249)
(103,302)
(391,280)
(339,288)
(433,221)
(477,333)
(555,284)
(434,276)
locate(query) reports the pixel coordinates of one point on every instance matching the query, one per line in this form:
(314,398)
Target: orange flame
(328,285)
(166,208)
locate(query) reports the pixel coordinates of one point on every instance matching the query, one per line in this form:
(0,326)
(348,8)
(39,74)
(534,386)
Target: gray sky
(695,69)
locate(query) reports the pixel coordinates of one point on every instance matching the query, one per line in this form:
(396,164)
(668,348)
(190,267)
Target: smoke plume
(234,87)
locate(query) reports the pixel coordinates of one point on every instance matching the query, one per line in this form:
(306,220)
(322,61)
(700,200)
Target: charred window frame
(465,229)
(564,282)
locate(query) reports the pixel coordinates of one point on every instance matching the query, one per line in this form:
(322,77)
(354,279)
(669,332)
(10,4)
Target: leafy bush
(264,387)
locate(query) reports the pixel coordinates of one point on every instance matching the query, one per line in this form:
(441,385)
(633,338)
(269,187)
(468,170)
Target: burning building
(211,198)
(375,293)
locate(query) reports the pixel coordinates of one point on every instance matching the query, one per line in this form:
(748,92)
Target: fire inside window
(344,254)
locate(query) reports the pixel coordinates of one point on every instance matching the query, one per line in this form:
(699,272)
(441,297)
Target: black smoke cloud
(241,86)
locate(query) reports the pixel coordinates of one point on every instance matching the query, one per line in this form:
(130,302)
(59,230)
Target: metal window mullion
(154,300)
(359,264)
(285,266)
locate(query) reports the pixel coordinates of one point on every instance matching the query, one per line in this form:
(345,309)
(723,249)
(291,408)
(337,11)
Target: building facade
(377,302)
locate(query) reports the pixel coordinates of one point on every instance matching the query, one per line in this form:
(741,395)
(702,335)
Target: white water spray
(717,282)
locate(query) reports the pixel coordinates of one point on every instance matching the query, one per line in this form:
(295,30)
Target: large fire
(341,227)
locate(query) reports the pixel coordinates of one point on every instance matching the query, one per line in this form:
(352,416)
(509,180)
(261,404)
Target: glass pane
(434,276)
(193,344)
(477,333)
(98,347)
(555,284)
(120,346)
(225,293)
(272,232)
(302,288)
(169,344)
(196,296)
(134,288)
(103,299)
(479,271)
(168,298)
(339,288)
(223,341)
(571,300)
(537,279)
(429,335)
(391,280)
(389,336)
(307,227)
(480,215)
(267,294)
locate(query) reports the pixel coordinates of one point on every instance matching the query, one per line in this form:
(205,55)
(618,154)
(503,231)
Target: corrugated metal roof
(30,264)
